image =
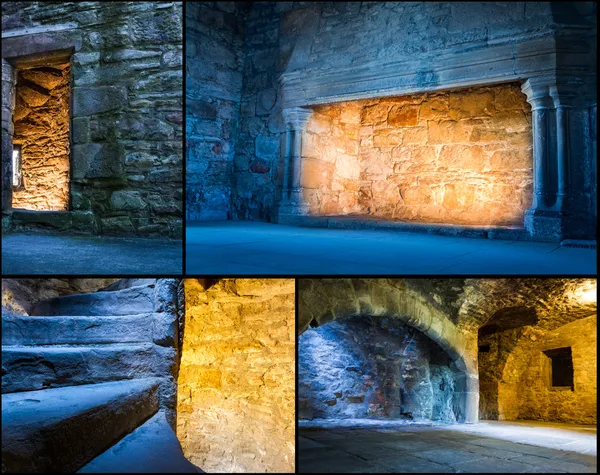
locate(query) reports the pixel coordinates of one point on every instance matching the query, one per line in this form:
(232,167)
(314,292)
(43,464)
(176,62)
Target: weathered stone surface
(361,368)
(95,100)
(496,330)
(71,424)
(41,122)
(152,448)
(236,382)
(126,81)
(433,166)
(130,301)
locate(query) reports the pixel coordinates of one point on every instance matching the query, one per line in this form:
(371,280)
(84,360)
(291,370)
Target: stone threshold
(513,233)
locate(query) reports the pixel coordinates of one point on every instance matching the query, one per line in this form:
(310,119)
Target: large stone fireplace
(493,132)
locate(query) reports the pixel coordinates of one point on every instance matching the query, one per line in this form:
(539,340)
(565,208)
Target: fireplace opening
(41,118)
(373,368)
(462,157)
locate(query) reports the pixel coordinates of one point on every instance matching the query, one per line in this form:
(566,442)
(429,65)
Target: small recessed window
(560,367)
(17,166)
(484,348)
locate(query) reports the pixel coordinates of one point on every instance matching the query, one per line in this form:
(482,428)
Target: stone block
(125,200)
(116,225)
(403,116)
(95,100)
(97,160)
(267,147)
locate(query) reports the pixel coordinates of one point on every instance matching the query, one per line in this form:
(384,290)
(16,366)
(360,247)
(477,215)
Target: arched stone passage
(330,299)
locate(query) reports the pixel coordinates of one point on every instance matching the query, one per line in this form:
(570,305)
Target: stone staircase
(88,383)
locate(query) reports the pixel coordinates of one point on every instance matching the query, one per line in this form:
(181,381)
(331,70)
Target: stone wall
(236,396)
(373,368)
(214,32)
(41,122)
(126,116)
(308,53)
(461,157)
(525,391)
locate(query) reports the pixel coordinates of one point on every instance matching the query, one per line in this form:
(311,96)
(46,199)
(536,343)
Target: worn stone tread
(129,301)
(76,330)
(151,448)
(40,367)
(70,426)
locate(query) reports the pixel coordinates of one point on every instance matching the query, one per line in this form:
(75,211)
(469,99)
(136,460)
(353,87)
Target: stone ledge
(581,243)
(350,222)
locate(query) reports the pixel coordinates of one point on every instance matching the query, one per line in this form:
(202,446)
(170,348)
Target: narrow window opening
(17,166)
(560,367)
(484,348)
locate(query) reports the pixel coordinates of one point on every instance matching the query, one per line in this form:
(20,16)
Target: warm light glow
(586,293)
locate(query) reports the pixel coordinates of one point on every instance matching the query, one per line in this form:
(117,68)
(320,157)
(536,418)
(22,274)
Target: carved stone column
(562,159)
(9,79)
(292,202)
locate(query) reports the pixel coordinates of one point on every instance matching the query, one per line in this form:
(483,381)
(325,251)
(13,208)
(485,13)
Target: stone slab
(130,301)
(40,367)
(70,426)
(76,330)
(151,448)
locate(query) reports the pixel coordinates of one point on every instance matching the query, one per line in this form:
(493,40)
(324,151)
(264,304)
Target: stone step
(60,430)
(39,367)
(24,330)
(72,221)
(151,448)
(130,301)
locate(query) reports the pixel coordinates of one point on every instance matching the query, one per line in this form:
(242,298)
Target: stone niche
(373,368)
(41,131)
(462,157)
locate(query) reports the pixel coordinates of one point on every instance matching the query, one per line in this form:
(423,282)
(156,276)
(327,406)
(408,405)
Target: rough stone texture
(213,89)
(518,319)
(236,393)
(41,122)
(126,85)
(515,381)
(70,426)
(373,368)
(19,296)
(306,54)
(461,157)
(151,448)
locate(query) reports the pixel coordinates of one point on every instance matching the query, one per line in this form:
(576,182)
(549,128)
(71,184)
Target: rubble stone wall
(374,368)
(41,121)
(236,395)
(213,88)
(459,157)
(126,115)
(525,391)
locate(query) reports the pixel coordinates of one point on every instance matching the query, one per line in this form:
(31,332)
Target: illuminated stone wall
(41,121)
(236,396)
(374,368)
(460,157)
(525,392)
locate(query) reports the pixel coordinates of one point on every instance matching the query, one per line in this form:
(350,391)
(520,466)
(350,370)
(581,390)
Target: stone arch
(332,299)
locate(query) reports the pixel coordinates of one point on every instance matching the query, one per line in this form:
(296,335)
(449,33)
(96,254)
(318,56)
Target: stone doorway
(41,145)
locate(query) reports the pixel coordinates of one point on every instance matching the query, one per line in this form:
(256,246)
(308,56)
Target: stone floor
(257,248)
(487,447)
(98,255)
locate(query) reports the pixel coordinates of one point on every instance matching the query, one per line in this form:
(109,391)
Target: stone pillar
(292,202)
(9,79)
(562,202)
